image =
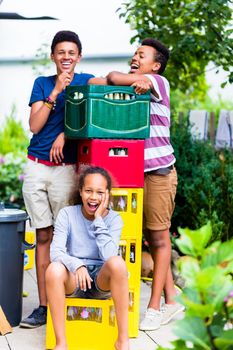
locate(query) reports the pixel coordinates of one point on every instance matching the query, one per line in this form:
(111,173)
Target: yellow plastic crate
(134,310)
(29,254)
(129,203)
(91,323)
(130,250)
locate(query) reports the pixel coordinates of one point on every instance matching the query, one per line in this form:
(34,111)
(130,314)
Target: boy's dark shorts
(95,292)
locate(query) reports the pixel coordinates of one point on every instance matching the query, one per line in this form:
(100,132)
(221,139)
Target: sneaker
(169,311)
(151,321)
(36,319)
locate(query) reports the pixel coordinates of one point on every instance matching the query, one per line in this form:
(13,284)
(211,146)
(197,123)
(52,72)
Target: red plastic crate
(124,159)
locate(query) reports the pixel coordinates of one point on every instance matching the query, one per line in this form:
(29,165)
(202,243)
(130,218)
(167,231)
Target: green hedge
(205,188)
(13,150)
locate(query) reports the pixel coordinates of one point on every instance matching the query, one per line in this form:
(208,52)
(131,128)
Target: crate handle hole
(119,96)
(118,151)
(85,150)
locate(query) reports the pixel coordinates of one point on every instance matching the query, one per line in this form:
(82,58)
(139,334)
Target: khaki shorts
(46,189)
(159,200)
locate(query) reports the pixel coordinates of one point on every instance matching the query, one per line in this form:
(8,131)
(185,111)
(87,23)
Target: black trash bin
(12,247)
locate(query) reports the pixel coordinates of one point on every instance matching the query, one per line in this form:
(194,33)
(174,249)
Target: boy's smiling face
(143,61)
(66,55)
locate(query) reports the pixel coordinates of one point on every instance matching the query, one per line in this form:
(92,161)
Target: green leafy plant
(13,146)
(208,294)
(13,137)
(11,179)
(205,184)
(197,32)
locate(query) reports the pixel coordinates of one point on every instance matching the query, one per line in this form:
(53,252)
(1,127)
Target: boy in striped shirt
(147,65)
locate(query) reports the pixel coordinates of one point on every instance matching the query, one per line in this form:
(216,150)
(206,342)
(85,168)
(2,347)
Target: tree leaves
(196,32)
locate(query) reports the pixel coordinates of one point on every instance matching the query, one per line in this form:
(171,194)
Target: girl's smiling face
(95,186)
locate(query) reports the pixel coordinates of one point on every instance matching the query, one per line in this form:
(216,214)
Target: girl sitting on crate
(84,260)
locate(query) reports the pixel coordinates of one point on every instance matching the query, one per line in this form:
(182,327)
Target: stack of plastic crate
(111,123)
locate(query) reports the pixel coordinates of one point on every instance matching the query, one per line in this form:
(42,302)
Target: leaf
(177,344)
(223,84)
(184,243)
(193,242)
(221,254)
(203,311)
(208,277)
(217,325)
(224,340)
(193,329)
(189,268)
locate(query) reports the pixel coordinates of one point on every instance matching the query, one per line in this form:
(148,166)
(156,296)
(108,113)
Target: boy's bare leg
(57,279)
(169,288)
(160,247)
(114,276)
(43,241)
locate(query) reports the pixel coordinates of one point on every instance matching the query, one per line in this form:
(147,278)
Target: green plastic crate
(94,111)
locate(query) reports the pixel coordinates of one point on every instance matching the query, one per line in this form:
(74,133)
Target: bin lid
(12,215)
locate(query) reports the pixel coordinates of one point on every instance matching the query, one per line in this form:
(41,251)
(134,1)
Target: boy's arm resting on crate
(118,78)
(141,85)
(98,81)
(141,82)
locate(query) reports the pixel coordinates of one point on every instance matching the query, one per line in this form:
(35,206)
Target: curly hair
(162,52)
(84,172)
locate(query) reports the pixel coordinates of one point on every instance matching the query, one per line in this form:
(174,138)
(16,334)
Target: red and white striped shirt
(158,150)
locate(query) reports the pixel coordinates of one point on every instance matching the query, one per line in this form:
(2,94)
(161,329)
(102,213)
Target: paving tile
(164,335)
(142,342)
(27,339)
(3,343)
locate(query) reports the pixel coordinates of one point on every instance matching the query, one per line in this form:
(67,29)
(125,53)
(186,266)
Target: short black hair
(66,35)
(162,52)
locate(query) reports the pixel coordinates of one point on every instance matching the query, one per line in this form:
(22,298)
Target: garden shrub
(13,137)
(11,179)
(208,293)
(13,150)
(205,184)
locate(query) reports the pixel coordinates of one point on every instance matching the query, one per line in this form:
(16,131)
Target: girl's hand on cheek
(103,204)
